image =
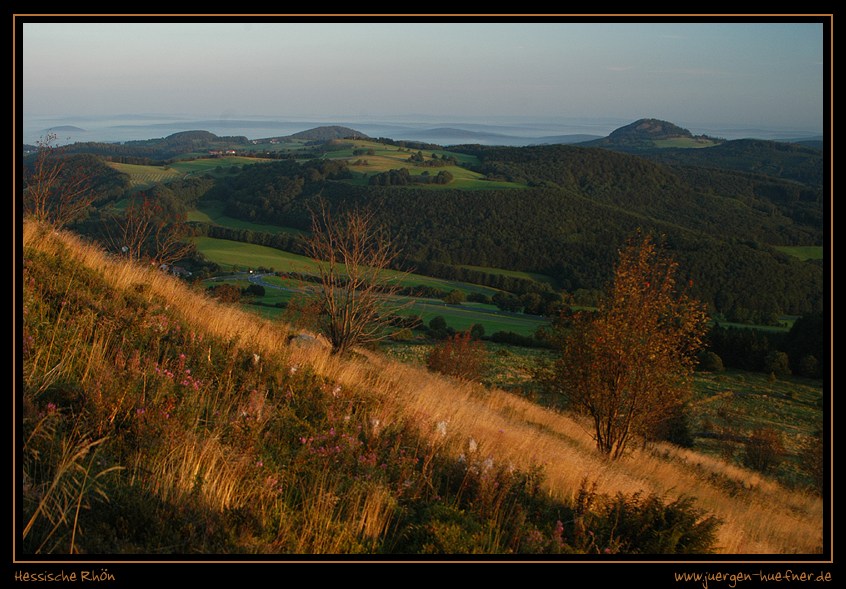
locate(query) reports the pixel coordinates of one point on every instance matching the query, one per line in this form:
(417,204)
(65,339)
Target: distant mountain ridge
(64,129)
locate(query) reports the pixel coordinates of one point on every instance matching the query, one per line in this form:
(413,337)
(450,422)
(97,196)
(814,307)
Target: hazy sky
(762,74)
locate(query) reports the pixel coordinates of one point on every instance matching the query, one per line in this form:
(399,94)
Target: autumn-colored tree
(356,289)
(55,193)
(459,355)
(629,365)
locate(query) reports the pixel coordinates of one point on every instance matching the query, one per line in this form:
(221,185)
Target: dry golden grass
(762,518)
(758,515)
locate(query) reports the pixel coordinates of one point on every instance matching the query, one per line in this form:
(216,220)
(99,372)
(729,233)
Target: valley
(186,371)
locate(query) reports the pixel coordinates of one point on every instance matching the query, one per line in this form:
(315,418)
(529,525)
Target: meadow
(386,157)
(158,420)
(725,406)
(236,257)
(209,434)
(142,176)
(512,273)
(212,213)
(802,252)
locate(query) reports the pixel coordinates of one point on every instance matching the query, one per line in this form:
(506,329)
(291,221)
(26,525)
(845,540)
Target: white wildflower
(441,428)
(472,446)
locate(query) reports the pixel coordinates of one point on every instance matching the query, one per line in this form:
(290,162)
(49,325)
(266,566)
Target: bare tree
(356,290)
(55,193)
(146,231)
(629,366)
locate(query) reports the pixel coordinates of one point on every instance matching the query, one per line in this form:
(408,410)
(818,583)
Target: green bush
(777,363)
(647,525)
(455,297)
(638,524)
(710,362)
(675,428)
(256,290)
(809,366)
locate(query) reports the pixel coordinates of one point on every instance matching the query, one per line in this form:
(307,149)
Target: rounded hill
(649,129)
(652,133)
(328,133)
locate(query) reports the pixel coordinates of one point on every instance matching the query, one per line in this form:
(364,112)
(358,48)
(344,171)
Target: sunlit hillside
(157,420)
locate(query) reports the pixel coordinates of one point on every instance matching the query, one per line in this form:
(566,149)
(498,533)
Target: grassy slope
(513,273)
(726,405)
(758,515)
(386,157)
(803,252)
(212,212)
(141,175)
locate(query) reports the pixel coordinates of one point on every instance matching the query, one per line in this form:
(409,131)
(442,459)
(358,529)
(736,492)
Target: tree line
(402,177)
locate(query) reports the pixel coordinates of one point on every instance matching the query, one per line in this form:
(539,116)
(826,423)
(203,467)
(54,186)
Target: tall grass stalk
(61,493)
(758,515)
(203,468)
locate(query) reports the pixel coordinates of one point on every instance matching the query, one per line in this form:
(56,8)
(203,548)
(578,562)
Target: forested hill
(152,151)
(790,161)
(579,206)
(714,201)
(328,133)
(668,143)
(575,238)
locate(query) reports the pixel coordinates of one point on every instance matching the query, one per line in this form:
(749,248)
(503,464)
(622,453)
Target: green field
(212,212)
(236,256)
(803,252)
(459,317)
(141,176)
(389,157)
(786,323)
(462,179)
(289,146)
(463,317)
(513,274)
(209,164)
(384,158)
